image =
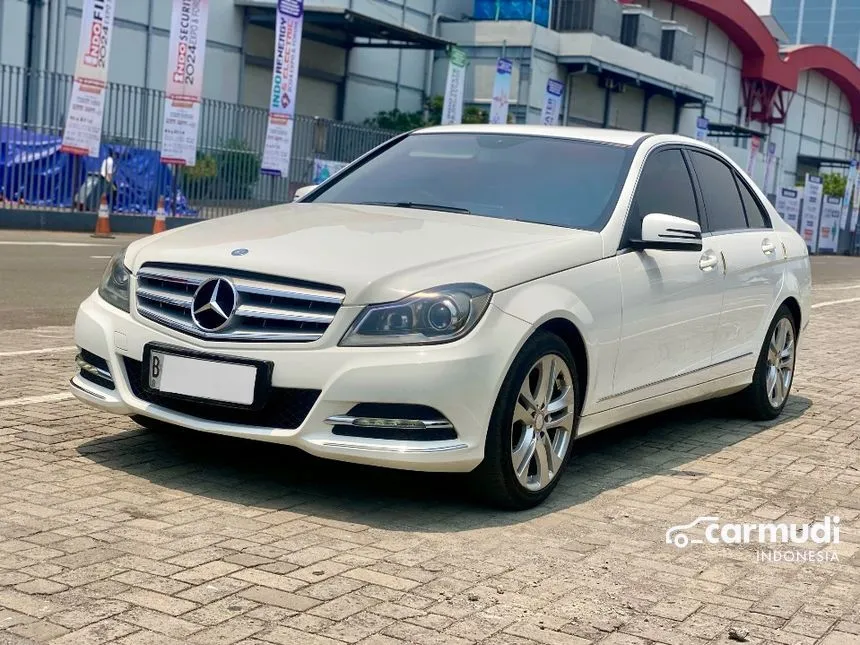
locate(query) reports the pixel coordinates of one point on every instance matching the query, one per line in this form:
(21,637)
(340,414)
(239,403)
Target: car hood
(376,254)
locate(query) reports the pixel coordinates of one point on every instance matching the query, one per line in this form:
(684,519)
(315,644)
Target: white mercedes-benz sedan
(462,299)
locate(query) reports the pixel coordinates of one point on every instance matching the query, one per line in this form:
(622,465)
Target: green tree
(834,184)
(404,121)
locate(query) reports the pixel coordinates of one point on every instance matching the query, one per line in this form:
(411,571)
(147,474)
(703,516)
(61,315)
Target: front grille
(268,308)
(286,408)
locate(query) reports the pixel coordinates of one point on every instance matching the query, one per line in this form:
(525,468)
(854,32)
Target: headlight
(439,315)
(114,285)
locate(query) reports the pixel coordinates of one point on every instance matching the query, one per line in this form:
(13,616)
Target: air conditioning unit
(602,17)
(678,44)
(640,29)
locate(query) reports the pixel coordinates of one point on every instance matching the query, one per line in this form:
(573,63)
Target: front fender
(589,297)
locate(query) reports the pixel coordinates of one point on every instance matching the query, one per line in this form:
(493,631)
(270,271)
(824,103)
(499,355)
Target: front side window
(664,187)
(544,180)
(719,192)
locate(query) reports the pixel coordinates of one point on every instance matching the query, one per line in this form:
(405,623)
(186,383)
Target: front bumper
(460,380)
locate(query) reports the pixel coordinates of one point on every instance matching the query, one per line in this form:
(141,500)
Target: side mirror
(301,192)
(668,233)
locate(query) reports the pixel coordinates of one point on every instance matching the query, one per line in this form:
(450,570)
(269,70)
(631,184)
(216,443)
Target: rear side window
(756,217)
(664,187)
(723,204)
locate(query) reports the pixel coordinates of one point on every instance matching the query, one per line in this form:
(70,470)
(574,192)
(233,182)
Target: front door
(671,300)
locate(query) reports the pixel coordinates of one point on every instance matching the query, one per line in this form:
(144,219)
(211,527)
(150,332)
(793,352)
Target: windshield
(545,180)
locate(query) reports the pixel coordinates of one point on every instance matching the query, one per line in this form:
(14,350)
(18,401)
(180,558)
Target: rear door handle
(708,261)
(767,247)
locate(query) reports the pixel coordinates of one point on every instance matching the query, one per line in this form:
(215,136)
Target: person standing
(106,180)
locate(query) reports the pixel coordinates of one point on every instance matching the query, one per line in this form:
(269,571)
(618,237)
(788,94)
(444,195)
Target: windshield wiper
(429,207)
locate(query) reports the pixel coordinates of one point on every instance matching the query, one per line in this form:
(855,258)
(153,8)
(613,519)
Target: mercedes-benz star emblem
(214,303)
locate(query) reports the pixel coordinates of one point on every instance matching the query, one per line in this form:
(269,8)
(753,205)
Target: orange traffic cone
(160,223)
(103,221)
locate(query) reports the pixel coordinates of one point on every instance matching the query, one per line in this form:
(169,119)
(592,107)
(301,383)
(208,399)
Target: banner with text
(855,212)
(788,205)
(452,108)
(752,160)
(828,232)
(184,88)
(812,191)
(702,125)
(552,102)
(325,168)
(285,78)
(82,134)
(846,197)
(770,162)
(501,91)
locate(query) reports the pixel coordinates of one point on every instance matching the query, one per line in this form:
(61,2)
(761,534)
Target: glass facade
(826,22)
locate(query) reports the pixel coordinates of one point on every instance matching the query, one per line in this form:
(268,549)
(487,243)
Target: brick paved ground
(112,534)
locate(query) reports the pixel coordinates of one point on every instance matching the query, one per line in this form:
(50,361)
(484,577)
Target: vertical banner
(184,88)
(82,134)
(702,125)
(846,197)
(752,160)
(552,102)
(501,91)
(788,206)
(452,108)
(828,232)
(285,78)
(770,161)
(855,211)
(812,191)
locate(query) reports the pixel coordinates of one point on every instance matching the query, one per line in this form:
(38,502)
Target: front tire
(766,397)
(532,426)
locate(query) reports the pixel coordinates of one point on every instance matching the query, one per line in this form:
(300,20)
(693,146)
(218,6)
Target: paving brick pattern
(114,534)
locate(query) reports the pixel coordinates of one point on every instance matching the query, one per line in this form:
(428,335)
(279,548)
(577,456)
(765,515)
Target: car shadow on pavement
(274,477)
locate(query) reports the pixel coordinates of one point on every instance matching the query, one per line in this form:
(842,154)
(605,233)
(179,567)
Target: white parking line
(818,305)
(843,288)
(47,350)
(32,400)
(100,257)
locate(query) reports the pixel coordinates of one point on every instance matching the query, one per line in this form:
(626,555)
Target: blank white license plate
(213,380)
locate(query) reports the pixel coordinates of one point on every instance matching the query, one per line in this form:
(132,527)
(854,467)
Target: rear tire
(765,398)
(532,427)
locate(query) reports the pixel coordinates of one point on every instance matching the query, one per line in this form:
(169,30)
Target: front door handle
(767,247)
(708,261)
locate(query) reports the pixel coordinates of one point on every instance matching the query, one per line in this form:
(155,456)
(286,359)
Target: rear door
(753,257)
(671,300)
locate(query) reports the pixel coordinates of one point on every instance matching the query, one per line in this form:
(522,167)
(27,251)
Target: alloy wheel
(780,362)
(542,427)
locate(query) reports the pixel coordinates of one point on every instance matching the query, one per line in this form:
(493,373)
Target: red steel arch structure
(771,75)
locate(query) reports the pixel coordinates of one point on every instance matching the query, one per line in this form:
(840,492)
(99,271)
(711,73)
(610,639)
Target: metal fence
(225,179)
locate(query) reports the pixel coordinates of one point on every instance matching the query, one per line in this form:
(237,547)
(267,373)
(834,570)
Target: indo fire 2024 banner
(788,205)
(83,132)
(552,102)
(452,108)
(828,234)
(285,78)
(186,54)
(752,159)
(846,197)
(501,91)
(812,192)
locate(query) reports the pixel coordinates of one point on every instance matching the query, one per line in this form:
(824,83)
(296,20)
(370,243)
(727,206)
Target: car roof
(617,137)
